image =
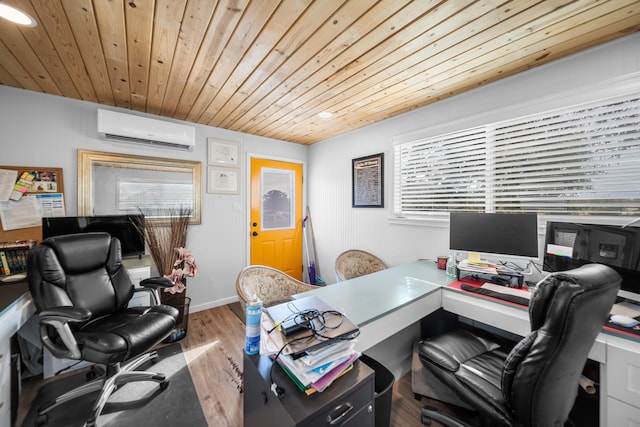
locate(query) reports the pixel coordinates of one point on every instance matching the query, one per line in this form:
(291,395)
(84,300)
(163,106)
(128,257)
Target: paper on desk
(7,181)
(271,340)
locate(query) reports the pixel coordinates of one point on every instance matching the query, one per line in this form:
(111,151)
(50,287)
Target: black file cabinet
(349,401)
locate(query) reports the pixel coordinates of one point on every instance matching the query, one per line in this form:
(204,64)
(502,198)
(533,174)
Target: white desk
(15,309)
(387,307)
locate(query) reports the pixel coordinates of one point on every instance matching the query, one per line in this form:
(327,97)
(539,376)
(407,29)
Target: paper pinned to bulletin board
(22,219)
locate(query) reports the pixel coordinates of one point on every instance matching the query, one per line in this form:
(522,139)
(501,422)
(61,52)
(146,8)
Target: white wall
(338,226)
(45,130)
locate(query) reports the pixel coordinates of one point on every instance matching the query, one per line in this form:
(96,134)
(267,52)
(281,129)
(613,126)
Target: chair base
(116,376)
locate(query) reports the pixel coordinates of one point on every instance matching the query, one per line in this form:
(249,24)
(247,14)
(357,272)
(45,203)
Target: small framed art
(224,153)
(367,175)
(223,180)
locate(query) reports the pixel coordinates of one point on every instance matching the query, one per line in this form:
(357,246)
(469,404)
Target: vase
(181,302)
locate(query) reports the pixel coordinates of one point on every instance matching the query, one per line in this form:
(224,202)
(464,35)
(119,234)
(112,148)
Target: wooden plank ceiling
(268,67)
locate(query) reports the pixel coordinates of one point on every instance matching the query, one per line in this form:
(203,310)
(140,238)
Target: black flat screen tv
(129,229)
(494,233)
(569,245)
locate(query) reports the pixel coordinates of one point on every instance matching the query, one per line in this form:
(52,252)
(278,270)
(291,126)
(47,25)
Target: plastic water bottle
(254,316)
(451,266)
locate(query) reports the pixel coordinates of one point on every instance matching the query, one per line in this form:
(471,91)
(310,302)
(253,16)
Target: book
(307,375)
(5,263)
(325,381)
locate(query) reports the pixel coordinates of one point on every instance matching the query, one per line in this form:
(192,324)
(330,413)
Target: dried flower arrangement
(166,243)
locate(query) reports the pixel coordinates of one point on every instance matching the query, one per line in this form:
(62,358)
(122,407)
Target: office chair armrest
(157,283)
(154,284)
(60,318)
(66,314)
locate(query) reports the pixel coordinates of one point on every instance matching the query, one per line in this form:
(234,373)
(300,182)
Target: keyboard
(517,296)
(506,290)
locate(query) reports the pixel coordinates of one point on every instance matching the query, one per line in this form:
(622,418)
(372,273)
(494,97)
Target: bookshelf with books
(13,256)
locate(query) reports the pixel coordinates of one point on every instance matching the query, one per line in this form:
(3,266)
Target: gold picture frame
(108,175)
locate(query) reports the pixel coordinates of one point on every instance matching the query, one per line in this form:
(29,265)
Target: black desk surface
(10,292)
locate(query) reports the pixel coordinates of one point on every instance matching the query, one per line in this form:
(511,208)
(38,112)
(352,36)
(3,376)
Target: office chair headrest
(77,253)
(557,290)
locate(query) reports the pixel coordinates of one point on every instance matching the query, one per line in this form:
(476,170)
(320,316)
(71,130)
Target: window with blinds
(582,160)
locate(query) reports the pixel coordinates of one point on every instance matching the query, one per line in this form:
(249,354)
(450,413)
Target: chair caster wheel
(164,385)
(42,419)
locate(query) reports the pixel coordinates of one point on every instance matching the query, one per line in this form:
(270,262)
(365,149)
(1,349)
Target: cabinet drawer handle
(339,413)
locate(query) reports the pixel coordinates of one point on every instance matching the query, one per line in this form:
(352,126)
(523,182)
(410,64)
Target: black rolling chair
(536,382)
(81,291)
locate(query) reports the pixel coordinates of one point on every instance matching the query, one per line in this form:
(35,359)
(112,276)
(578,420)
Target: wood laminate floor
(213,351)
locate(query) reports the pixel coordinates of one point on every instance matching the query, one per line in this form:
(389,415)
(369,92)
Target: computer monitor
(129,229)
(569,245)
(494,233)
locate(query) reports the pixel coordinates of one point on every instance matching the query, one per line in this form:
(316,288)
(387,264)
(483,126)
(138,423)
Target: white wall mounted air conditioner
(119,127)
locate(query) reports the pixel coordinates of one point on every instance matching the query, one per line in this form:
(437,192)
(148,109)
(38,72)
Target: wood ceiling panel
(20,49)
(84,27)
(374,27)
(139,21)
(277,87)
(47,55)
(250,61)
(483,70)
(373,69)
(5,76)
(113,36)
(454,76)
(53,20)
(298,33)
(269,66)
(13,66)
(235,35)
(193,29)
(163,47)
(203,82)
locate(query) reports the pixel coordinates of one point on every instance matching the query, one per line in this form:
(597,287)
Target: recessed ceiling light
(325,114)
(16,16)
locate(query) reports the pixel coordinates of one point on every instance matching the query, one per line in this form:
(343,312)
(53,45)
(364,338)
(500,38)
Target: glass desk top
(367,298)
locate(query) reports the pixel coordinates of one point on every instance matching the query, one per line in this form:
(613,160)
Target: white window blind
(582,160)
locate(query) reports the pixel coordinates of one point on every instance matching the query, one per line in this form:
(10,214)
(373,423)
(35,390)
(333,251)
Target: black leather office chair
(81,291)
(536,382)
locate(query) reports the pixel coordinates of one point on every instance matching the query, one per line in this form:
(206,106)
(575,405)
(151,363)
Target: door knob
(255,224)
(255,233)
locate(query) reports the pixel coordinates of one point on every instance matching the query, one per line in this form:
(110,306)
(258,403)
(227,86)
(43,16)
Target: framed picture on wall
(367,175)
(224,153)
(223,180)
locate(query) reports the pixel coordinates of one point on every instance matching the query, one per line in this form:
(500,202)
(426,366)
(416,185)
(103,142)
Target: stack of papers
(312,360)
(478,268)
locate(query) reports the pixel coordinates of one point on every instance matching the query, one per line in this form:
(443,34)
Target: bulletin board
(49,180)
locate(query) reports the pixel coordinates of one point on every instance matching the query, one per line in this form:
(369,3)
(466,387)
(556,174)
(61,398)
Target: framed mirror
(115,184)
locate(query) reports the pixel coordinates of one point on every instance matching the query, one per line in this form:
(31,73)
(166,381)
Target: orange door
(276,215)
